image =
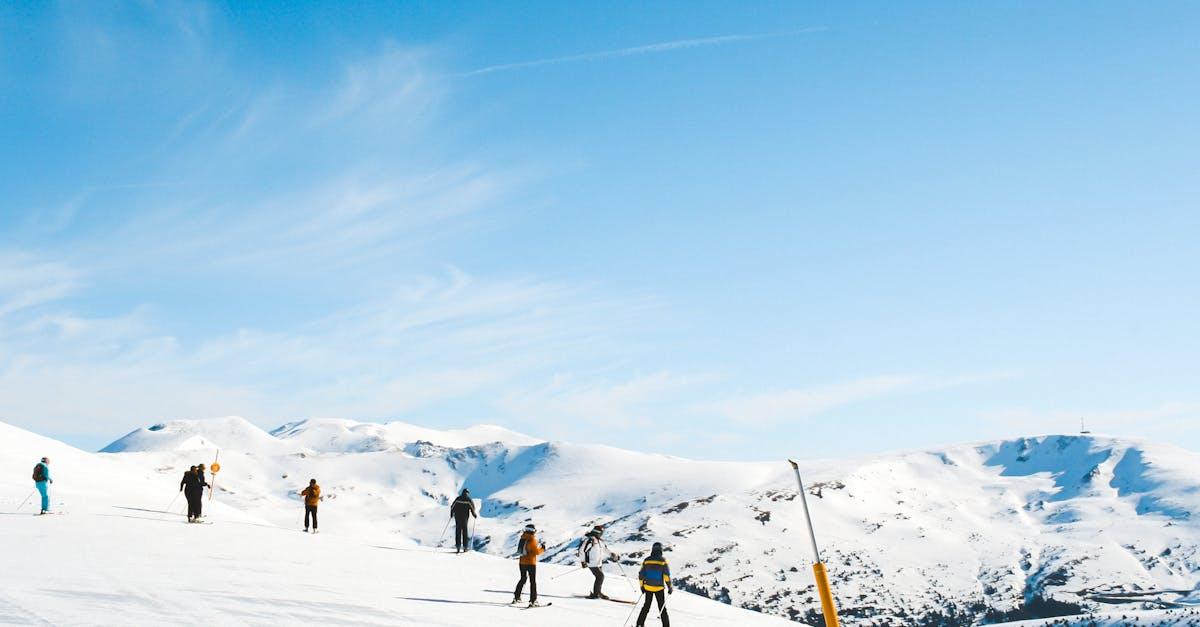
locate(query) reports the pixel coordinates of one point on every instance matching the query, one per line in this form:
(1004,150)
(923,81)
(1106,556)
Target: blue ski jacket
(655,575)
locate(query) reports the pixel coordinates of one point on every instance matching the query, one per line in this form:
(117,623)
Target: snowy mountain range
(992,532)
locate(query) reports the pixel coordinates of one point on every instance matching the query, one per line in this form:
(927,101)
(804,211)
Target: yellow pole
(828,608)
(826,593)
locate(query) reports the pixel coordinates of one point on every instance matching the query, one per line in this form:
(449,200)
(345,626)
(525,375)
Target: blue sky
(722,230)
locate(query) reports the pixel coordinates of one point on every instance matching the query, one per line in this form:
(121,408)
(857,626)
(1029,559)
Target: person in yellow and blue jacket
(655,575)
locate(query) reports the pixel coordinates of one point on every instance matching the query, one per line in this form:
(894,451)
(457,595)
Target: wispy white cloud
(569,399)
(655,48)
(338,186)
(295,178)
(800,403)
(27,281)
(441,339)
(395,80)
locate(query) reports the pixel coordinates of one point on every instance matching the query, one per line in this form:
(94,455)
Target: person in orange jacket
(312,498)
(528,550)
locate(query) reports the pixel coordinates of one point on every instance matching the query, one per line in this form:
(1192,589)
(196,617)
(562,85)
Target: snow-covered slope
(124,555)
(344,436)
(1189,617)
(191,435)
(1004,530)
(1042,526)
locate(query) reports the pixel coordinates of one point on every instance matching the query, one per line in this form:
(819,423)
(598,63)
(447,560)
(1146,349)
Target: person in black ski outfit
(193,485)
(183,484)
(200,497)
(461,510)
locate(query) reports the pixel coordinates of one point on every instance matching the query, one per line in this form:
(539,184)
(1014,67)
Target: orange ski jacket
(312,495)
(529,556)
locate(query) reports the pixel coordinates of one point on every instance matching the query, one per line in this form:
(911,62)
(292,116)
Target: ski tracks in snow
(12,613)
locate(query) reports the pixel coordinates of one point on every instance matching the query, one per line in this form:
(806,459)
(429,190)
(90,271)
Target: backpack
(588,542)
(39,473)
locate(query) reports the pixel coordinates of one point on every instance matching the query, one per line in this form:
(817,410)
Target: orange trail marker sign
(215,467)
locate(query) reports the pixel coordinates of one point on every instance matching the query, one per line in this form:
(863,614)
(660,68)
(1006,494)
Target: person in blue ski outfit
(654,576)
(41,479)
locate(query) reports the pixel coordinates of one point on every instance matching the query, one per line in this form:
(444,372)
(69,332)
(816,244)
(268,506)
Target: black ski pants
(461,537)
(310,510)
(599,575)
(528,571)
(195,502)
(662,601)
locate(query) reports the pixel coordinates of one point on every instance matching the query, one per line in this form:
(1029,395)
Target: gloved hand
(670,590)
(581,565)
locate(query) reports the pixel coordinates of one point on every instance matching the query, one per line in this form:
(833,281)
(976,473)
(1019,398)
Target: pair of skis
(621,601)
(531,606)
(534,606)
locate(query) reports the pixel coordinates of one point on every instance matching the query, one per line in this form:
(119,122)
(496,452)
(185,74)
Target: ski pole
(626,576)
(631,611)
(573,570)
(663,609)
(444,529)
(471,539)
(26,500)
(172,503)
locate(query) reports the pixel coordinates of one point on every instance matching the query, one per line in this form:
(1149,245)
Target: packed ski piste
(654,577)
(647,595)
(369,579)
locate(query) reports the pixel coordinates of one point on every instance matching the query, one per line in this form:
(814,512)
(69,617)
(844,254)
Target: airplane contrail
(637,50)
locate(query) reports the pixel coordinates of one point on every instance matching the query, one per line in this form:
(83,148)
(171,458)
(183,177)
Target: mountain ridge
(986,531)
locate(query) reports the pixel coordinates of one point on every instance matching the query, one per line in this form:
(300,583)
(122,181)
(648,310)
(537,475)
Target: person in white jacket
(593,552)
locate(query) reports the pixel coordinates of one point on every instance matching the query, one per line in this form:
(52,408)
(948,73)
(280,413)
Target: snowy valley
(969,534)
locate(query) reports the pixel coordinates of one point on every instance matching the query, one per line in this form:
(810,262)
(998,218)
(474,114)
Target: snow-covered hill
(1183,617)
(984,532)
(122,554)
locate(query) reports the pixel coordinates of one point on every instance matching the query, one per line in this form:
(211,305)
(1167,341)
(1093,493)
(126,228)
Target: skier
(193,485)
(654,575)
(528,549)
(312,497)
(42,480)
(183,483)
(461,510)
(593,552)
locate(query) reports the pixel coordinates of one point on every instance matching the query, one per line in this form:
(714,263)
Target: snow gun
(828,609)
